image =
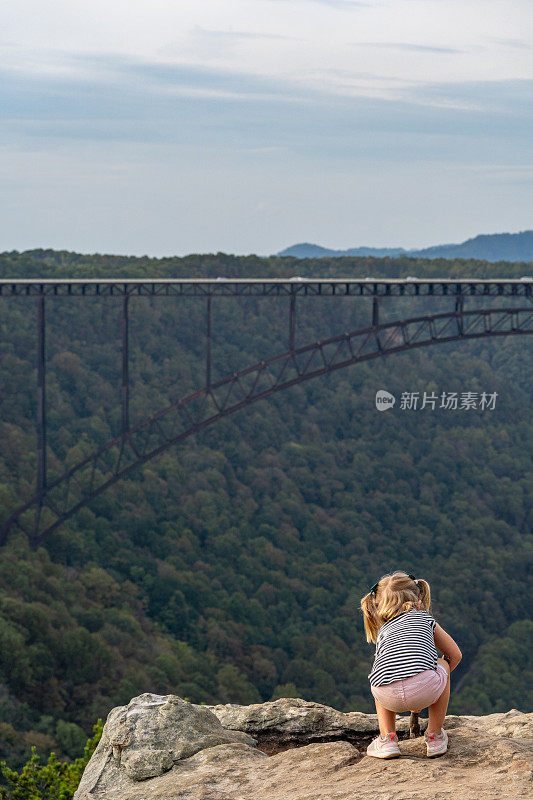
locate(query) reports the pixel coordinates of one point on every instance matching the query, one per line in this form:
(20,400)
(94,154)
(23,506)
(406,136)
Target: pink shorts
(414,693)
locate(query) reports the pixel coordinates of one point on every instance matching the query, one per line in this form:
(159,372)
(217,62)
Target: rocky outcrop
(169,749)
(288,722)
(147,737)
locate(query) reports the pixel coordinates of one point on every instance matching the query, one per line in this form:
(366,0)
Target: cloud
(519,44)
(232,35)
(343,4)
(414,48)
(119,99)
(165,124)
(503,103)
(339,4)
(207,45)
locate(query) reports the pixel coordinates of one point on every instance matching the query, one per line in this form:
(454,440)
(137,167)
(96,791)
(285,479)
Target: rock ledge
(165,748)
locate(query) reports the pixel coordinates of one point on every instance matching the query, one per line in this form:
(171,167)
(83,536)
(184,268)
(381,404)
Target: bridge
(55,501)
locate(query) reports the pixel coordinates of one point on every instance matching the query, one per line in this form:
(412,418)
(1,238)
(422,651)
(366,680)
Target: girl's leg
(386,719)
(437,711)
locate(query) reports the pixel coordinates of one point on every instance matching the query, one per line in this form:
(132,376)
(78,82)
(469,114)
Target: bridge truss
(57,500)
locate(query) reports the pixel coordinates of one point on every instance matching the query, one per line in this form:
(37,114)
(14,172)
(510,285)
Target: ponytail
(371,618)
(425,593)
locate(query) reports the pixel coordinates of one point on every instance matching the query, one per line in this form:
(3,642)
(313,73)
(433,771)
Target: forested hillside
(231,568)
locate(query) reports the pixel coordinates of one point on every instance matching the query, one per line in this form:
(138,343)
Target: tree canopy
(230,569)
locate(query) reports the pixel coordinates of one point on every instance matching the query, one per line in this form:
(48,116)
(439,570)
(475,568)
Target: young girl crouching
(407,674)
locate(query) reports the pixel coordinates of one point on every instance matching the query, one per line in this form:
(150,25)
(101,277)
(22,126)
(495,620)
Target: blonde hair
(392,595)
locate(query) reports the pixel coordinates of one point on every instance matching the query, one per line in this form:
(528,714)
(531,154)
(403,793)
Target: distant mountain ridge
(486,247)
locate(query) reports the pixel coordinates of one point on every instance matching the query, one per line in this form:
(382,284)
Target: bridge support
(375,312)
(375,321)
(208,345)
(41,398)
(292,322)
(125,367)
(459,313)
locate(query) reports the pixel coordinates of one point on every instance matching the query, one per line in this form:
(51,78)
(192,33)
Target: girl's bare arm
(447,646)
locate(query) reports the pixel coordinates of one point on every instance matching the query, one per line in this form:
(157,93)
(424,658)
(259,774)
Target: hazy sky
(178,126)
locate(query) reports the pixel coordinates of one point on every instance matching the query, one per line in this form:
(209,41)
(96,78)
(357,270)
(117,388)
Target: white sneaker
(436,743)
(386,747)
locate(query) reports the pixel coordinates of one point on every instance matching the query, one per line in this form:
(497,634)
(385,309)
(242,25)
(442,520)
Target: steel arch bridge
(57,500)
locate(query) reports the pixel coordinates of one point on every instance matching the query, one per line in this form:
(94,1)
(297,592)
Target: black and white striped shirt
(405,646)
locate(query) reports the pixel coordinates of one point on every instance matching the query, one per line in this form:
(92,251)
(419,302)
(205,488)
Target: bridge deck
(267,287)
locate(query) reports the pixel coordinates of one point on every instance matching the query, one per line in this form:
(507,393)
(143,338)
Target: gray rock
(488,757)
(290,722)
(147,737)
(512,724)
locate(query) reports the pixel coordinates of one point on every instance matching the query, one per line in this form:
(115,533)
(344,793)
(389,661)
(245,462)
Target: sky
(164,128)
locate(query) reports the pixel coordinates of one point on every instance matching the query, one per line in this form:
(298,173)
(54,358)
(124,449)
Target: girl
(407,674)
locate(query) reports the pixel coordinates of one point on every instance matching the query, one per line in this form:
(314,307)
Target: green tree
(55,780)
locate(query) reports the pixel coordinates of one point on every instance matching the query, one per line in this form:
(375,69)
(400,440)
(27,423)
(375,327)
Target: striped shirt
(405,646)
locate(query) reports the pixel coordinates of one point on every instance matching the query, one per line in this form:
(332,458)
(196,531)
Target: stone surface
(143,740)
(293,722)
(488,757)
